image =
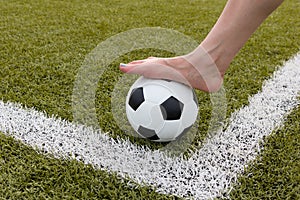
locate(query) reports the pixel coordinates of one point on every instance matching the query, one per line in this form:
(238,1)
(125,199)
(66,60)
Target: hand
(196,69)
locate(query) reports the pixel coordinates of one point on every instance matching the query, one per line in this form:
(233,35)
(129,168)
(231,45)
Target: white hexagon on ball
(161,110)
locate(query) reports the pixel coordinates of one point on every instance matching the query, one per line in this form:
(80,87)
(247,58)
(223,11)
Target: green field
(42,47)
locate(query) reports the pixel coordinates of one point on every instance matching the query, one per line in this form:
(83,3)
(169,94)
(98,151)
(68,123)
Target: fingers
(128,67)
(158,71)
(125,68)
(137,62)
(141,61)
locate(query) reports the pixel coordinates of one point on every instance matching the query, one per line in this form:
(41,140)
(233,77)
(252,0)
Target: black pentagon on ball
(136,98)
(171,109)
(147,133)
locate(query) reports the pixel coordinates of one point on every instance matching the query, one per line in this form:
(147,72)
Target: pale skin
(205,67)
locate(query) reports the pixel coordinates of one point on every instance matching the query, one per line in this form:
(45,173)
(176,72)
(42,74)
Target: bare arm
(204,68)
(238,21)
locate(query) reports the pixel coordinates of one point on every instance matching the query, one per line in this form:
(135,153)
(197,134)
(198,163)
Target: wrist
(219,53)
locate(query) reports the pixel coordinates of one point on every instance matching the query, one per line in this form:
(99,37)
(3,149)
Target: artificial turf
(27,174)
(276,173)
(43,44)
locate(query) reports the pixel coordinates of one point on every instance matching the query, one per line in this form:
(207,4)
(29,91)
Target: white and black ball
(161,110)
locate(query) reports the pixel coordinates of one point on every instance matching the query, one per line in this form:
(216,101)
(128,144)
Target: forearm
(238,21)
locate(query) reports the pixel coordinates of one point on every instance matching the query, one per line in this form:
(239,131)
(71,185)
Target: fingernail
(123,65)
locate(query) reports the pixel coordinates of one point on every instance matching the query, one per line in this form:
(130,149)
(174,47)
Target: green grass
(276,173)
(26,174)
(43,44)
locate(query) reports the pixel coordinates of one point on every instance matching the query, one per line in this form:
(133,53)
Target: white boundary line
(209,173)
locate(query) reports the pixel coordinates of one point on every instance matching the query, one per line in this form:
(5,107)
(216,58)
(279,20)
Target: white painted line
(207,174)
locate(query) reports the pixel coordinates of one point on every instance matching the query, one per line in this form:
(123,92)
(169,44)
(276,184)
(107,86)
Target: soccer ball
(161,110)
